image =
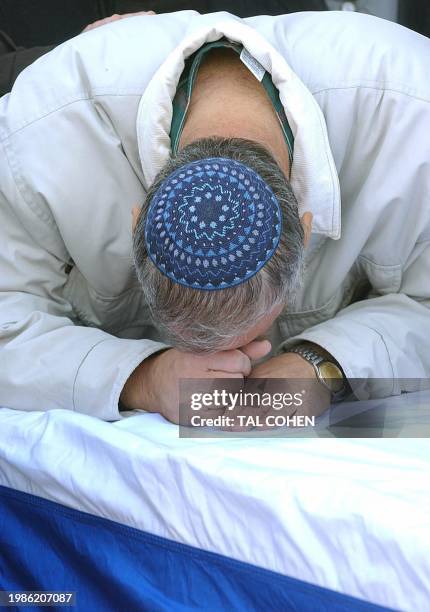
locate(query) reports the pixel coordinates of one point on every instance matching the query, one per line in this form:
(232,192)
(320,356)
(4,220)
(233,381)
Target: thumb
(256,349)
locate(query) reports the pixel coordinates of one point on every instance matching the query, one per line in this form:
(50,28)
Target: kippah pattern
(212,224)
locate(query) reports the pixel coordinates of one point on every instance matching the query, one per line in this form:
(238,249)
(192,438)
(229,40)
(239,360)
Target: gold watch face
(332,375)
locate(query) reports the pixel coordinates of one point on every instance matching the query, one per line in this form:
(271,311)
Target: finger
(91,26)
(125,15)
(143,13)
(102,22)
(224,374)
(211,410)
(98,23)
(256,349)
(230,361)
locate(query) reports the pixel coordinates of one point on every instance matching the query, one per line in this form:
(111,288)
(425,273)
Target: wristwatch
(327,369)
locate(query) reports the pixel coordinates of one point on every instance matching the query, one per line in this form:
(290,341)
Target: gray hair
(207,321)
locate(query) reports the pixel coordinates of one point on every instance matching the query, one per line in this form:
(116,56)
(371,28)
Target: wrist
(137,391)
(327,369)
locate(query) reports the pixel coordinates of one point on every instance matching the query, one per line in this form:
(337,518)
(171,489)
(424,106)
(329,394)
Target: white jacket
(85,131)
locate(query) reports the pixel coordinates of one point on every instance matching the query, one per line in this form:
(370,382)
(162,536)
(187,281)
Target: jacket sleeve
(384,341)
(47,361)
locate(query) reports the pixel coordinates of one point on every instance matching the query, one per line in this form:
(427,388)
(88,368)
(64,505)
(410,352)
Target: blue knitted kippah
(212,224)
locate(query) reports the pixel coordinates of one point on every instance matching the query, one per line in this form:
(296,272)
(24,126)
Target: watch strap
(315,356)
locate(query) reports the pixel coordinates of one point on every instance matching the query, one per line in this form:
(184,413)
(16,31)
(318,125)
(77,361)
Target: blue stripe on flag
(47,546)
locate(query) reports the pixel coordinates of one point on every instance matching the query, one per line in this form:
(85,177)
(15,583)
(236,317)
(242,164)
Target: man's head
(200,320)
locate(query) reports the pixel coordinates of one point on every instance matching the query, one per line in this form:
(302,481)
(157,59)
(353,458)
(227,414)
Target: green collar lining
(184,91)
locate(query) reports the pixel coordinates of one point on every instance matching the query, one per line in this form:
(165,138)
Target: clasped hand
(154,384)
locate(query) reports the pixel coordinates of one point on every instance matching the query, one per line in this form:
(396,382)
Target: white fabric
(349,515)
(84,131)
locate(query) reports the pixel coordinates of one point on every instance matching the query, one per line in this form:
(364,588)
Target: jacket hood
(313,176)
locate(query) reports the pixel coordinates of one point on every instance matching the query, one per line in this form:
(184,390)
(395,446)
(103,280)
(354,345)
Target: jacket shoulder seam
(8,134)
(376,87)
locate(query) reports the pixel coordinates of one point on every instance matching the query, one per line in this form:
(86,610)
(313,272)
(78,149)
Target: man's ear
(134,217)
(306,221)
